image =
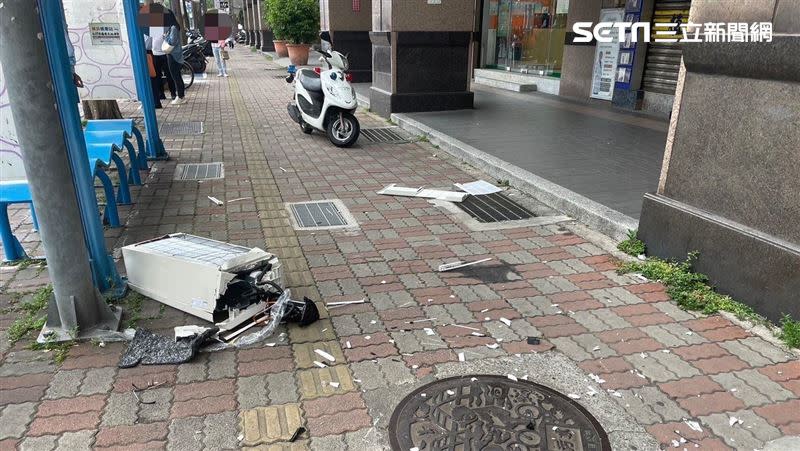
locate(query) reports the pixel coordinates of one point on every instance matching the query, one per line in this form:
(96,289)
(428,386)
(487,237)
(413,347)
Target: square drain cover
(495,207)
(324,214)
(199,171)
(182,128)
(383,135)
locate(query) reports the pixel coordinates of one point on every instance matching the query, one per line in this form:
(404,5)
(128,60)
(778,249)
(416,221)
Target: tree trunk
(101,109)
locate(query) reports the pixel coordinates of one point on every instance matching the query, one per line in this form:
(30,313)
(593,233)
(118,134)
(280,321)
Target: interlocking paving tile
(305,353)
(316,382)
(265,425)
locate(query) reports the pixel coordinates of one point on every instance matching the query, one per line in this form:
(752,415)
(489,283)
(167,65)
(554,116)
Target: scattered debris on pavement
(451,196)
(148,348)
(459,264)
(215,200)
(478,187)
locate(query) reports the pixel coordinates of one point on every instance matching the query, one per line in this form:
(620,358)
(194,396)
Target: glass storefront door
(526,35)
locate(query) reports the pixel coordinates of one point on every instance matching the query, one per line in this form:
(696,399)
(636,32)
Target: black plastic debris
(534,341)
(297,433)
(148,348)
(302,312)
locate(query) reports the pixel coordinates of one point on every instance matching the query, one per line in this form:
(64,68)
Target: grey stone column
(422,58)
(350,33)
(257,13)
(246,24)
(730,183)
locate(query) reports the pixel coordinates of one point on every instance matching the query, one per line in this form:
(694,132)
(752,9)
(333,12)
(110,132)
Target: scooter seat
(310,80)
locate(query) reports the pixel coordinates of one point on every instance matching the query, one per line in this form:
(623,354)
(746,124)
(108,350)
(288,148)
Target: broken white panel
(450,196)
(459,264)
(191,273)
(478,187)
(215,200)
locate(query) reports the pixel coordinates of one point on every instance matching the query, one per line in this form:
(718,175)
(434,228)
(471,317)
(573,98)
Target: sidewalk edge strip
(593,214)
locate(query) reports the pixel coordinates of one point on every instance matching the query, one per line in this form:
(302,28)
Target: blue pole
(52,17)
(141,74)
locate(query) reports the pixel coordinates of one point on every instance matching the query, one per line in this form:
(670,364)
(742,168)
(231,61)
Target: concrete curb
(597,216)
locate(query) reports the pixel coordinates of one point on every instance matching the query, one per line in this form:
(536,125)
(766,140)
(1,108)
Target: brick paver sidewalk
(660,366)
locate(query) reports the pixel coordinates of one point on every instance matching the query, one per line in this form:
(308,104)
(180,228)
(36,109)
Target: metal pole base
(62,322)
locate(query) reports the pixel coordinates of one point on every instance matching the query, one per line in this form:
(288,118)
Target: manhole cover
(495,207)
(383,135)
(199,171)
(327,214)
(181,128)
(492,413)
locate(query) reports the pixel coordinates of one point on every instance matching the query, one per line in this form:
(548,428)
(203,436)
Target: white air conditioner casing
(190,273)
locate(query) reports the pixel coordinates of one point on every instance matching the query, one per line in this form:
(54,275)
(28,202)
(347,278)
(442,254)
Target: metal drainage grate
(182,128)
(199,171)
(495,207)
(383,135)
(326,214)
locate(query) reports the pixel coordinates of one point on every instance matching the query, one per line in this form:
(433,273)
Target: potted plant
(297,21)
(271,15)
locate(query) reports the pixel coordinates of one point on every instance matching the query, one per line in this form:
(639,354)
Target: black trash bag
(302,312)
(148,348)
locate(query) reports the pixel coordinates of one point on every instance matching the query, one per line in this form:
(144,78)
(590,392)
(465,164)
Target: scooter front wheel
(307,129)
(343,129)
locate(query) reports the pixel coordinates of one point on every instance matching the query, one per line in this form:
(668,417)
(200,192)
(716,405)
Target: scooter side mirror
(325,36)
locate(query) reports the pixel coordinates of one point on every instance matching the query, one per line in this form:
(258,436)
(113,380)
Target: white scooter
(325,101)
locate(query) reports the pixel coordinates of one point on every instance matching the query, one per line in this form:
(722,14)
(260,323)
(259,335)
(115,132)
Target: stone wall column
(253,26)
(246,22)
(731,175)
(349,30)
(422,58)
(266,32)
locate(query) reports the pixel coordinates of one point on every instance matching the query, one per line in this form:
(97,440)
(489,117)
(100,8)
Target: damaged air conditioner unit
(210,279)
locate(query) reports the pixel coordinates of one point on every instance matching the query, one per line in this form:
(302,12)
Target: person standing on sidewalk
(218,47)
(175,62)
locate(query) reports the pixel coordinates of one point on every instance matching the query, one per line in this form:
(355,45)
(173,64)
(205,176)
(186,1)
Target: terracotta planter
(280,48)
(298,54)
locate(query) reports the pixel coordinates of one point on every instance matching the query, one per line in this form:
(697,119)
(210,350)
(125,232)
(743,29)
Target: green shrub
(632,246)
(790,332)
(294,20)
(691,291)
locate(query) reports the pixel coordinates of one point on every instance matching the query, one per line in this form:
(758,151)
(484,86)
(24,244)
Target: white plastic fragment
(505,321)
(270,344)
(461,357)
(492,345)
(478,187)
(338,303)
(284,170)
(319,364)
(459,264)
(450,392)
(465,327)
(325,355)
(451,196)
(429,331)
(574,396)
(512,377)
(596,378)
(734,420)
(349,346)
(693,425)
(215,200)
(334,384)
